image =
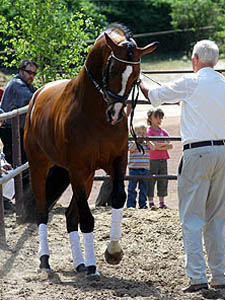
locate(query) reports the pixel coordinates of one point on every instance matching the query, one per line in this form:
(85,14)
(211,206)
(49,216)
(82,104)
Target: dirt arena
(152,266)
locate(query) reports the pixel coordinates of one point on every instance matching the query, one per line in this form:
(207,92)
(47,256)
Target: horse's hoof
(81,268)
(92,273)
(115,258)
(44,265)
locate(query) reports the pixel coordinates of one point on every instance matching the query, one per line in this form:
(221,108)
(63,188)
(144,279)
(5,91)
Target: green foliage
(138,15)
(47,32)
(194,14)
(53,32)
(220,28)
(91,10)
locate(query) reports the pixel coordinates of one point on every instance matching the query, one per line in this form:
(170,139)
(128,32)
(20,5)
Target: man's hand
(144,90)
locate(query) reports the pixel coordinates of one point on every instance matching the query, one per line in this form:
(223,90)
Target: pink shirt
(158,154)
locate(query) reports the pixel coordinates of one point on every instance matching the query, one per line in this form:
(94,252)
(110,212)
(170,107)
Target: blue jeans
(142,184)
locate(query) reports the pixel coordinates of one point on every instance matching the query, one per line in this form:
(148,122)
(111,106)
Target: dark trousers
(158,167)
(142,185)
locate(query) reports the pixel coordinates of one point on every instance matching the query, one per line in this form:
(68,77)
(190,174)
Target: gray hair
(207,51)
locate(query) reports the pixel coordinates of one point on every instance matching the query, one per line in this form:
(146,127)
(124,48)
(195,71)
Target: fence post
(17,162)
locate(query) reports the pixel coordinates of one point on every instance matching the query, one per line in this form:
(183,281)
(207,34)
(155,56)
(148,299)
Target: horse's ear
(110,42)
(148,49)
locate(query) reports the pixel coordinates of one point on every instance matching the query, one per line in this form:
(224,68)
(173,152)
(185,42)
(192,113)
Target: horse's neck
(92,73)
(86,97)
(96,61)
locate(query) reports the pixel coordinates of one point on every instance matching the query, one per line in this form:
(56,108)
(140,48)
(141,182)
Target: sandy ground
(151,269)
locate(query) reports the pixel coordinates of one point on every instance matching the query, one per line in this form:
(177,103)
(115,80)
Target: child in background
(158,158)
(138,165)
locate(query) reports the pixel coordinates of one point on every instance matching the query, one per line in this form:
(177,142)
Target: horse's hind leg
(79,213)
(39,167)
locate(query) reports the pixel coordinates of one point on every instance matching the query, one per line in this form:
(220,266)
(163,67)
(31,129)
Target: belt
(204,144)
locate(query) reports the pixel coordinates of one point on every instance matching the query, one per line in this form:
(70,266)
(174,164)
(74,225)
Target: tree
(220,27)
(47,32)
(194,14)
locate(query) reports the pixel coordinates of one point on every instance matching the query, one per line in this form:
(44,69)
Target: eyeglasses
(30,72)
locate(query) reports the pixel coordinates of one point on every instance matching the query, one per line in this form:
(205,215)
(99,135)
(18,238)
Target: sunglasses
(30,72)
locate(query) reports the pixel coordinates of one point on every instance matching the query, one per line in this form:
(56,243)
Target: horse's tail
(29,207)
(56,183)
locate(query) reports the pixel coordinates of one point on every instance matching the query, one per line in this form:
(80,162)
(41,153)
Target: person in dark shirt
(17,94)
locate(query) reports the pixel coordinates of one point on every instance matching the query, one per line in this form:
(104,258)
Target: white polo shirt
(202,97)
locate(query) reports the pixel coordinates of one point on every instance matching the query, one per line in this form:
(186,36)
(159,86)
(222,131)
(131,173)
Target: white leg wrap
(43,240)
(76,249)
(90,258)
(116,222)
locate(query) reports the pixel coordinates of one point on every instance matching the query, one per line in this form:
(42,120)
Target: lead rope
(150,78)
(133,105)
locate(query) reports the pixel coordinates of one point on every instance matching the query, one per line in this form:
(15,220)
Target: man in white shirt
(201,173)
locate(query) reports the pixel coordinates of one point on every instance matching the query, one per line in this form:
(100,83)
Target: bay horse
(74,127)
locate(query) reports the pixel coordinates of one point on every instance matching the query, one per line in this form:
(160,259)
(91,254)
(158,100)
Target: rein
(134,100)
(151,78)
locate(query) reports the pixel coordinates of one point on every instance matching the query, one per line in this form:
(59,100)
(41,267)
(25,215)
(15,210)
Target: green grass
(171,62)
(166,62)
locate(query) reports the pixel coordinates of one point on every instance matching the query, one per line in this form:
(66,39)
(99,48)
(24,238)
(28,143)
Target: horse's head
(120,67)
(121,73)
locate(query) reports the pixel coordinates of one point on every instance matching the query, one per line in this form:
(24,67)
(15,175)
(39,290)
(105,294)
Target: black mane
(127,32)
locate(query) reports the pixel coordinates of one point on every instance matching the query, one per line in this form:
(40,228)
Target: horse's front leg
(38,178)
(114,252)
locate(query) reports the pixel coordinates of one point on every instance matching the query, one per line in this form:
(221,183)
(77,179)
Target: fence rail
(174,71)
(137,177)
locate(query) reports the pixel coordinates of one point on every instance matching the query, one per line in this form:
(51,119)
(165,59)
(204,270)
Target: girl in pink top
(158,157)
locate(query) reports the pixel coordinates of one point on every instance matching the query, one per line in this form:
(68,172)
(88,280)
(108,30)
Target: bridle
(112,98)
(109,96)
